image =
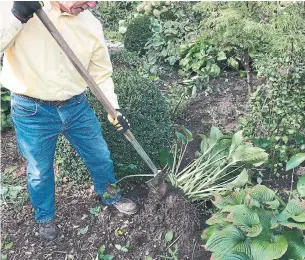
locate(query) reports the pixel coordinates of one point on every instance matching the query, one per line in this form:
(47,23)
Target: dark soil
(222,108)
(144,231)
(9,153)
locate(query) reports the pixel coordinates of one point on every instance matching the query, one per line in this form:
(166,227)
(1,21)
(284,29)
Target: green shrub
(148,114)
(276,115)
(252,224)
(125,59)
(137,34)
(111,12)
(201,58)
(5,105)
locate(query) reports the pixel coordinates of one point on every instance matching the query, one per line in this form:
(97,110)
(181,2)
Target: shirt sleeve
(100,68)
(10,26)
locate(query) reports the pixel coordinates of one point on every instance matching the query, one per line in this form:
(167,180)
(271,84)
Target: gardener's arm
(12,17)
(100,68)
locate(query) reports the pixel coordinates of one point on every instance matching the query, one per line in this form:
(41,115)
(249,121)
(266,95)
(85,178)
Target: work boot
(48,230)
(126,206)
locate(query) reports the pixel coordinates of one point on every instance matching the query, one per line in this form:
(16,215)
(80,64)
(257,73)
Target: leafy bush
(167,38)
(137,34)
(236,28)
(5,109)
(125,59)
(148,114)
(5,105)
(251,224)
(276,115)
(201,58)
(219,166)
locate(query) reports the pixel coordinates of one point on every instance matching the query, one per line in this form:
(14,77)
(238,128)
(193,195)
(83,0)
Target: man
(48,98)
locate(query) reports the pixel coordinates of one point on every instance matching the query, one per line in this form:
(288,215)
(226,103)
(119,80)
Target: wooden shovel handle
(80,68)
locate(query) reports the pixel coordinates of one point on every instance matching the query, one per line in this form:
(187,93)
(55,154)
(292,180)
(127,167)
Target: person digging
(48,98)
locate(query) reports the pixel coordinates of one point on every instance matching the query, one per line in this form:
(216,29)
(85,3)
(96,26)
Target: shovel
(98,93)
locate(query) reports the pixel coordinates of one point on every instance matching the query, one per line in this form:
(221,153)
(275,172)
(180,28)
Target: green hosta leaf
(296,245)
(188,134)
(301,186)
(245,219)
(236,256)
(240,180)
(221,147)
(251,202)
(262,194)
(274,204)
(226,240)
(209,231)
(295,161)
(249,154)
(268,247)
(204,144)
(265,218)
(181,138)
(237,140)
(217,218)
(232,199)
(293,215)
(215,134)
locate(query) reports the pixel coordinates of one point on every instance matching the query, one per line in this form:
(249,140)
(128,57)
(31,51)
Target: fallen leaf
(82,231)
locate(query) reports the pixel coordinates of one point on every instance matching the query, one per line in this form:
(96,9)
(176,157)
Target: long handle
(91,84)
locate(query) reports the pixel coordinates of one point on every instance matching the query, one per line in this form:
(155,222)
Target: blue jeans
(37,127)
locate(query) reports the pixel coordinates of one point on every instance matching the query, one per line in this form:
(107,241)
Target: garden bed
(146,231)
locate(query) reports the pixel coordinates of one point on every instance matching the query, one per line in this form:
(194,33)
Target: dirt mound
(147,229)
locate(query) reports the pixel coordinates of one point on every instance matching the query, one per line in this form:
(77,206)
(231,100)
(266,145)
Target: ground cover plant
(256,224)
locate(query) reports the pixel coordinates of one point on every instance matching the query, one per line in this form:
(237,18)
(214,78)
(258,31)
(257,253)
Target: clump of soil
(172,213)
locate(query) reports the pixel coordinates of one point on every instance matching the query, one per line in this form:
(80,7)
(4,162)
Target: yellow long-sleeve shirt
(35,66)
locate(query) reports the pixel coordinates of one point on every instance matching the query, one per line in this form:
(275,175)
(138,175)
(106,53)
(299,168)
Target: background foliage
(276,116)
(137,34)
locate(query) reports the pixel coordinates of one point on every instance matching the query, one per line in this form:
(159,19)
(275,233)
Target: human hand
(120,122)
(24,10)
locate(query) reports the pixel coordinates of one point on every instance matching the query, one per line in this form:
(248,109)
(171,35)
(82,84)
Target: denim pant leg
(37,129)
(84,132)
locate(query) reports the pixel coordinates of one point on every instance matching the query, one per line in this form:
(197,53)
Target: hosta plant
(256,224)
(219,165)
